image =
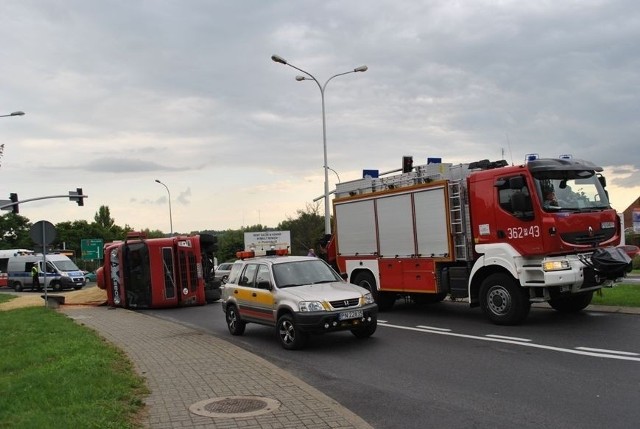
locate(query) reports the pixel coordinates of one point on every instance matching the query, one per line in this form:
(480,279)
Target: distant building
(631,217)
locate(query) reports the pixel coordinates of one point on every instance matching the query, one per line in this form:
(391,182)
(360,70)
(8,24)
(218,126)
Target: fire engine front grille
(583,238)
(345,303)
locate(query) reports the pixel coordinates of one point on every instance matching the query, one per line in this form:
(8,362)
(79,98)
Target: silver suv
(299,296)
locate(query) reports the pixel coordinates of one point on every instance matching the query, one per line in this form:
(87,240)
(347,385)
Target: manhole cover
(234,406)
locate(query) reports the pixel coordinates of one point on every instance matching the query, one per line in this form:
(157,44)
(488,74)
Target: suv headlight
(311,306)
(368,298)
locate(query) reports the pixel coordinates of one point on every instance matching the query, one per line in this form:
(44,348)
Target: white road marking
(526,340)
(519,343)
(433,328)
(613,352)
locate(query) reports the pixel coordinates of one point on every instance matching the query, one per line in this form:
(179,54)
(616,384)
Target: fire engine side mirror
(516,182)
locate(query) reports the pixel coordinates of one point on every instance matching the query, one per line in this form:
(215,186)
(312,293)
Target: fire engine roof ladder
(458,221)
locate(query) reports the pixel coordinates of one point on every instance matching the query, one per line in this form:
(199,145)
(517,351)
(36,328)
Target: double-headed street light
(278,59)
(169,193)
(18,113)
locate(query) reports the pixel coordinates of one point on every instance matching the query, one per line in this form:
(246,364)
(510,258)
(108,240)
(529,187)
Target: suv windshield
(300,273)
(572,194)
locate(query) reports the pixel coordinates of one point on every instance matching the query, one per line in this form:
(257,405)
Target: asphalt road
(445,366)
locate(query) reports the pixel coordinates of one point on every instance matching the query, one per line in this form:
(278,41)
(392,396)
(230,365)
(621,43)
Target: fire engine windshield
(582,193)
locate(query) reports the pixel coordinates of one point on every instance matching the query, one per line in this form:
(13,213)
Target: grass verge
(56,373)
(4,297)
(624,295)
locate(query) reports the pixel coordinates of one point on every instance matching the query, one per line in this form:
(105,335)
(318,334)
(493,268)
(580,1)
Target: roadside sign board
(91,248)
(265,240)
(43,232)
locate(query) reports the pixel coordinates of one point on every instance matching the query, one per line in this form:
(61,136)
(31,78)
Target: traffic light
(407,164)
(77,196)
(14,199)
(80,199)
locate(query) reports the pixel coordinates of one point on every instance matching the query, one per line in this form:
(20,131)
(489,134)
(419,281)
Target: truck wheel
(384,300)
(572,303)
(234,323)
(17,286)
(366,331)
(503,301)
(290,335)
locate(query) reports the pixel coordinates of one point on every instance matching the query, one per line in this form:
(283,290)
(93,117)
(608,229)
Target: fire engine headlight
(367,298)
(311,306)
(556,265)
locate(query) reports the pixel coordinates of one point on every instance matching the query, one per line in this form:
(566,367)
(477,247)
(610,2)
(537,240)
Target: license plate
(355,314)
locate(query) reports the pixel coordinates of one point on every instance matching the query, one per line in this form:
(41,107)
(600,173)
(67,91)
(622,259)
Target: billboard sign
(262,241)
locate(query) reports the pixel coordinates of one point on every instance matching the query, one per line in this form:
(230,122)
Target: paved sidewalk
(186,368)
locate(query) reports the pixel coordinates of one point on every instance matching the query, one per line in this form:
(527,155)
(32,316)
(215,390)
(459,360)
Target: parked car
(630,250)
(90,276)
(297,295)
(221,272)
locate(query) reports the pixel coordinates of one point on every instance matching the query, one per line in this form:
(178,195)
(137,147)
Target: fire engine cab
(500,236)
(159,272)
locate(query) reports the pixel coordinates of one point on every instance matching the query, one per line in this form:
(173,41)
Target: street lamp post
(18,113)
(278,59)
(334,172)
(168,193)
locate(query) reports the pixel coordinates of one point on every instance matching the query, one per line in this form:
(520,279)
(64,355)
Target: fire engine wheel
(291,337)
(572,303)
(384,300)
(503,301)
(234,323)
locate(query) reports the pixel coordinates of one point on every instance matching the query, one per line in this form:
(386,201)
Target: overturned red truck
(501,236)
(159,272)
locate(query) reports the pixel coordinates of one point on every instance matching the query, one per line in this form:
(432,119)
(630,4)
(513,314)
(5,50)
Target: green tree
(69,235)
(14,232)
(103,218)
(306,230)
(232,241)
(156,233)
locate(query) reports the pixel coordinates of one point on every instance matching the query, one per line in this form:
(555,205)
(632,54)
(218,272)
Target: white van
(62,272)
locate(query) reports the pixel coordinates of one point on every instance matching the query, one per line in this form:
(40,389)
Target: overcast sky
(120,93)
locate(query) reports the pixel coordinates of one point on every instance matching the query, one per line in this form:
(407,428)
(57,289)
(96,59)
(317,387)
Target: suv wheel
(234,323)
(290,335)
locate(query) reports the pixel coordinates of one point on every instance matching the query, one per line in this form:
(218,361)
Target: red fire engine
(159,272)
(481,231)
